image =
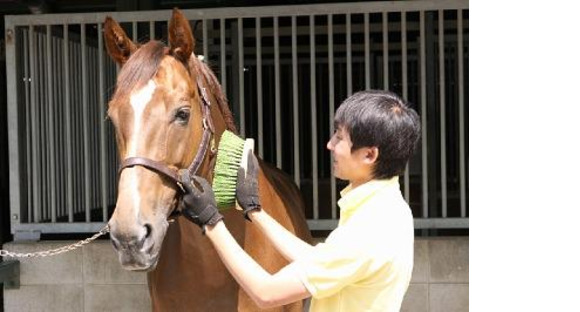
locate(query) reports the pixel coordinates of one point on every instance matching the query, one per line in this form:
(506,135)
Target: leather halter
(163,169)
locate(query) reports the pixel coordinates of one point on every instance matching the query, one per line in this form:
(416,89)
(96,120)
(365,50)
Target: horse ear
(181,40)
(118,44)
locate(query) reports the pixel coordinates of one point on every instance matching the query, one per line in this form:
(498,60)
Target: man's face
(347,165)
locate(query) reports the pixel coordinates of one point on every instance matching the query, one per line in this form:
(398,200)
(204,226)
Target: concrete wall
(90,279)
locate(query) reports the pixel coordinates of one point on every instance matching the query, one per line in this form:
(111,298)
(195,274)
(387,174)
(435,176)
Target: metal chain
(52,252)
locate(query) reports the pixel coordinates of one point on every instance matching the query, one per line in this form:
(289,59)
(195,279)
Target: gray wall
(90,279)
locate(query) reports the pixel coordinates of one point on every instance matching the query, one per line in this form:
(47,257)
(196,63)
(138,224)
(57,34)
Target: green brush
(231,155)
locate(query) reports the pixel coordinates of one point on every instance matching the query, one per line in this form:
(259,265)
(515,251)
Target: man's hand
(247,187)
(199,206)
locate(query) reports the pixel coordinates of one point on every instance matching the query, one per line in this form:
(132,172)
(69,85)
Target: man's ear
(371,155)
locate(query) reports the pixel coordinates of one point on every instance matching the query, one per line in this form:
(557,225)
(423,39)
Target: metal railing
(285,70)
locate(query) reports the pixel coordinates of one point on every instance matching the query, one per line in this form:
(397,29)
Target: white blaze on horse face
(139,100)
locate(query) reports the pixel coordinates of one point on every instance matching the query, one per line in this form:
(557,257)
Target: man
(365,264)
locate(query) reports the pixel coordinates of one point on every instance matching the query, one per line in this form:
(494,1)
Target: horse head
(163,122)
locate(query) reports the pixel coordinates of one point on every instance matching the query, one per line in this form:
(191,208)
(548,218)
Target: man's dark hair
(382,119)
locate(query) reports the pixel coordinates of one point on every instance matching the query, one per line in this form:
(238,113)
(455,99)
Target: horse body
(157,115)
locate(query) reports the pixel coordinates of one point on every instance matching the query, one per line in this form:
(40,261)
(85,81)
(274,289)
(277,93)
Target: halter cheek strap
(163,169)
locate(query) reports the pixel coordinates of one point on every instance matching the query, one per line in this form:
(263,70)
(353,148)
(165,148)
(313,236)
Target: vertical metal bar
(151,30)
(277,94)
(385,51)
(28,98)
(442,116)
(331,110)
(34,124)
(348,56)
(135,32)
(60,124)
(13,124)
(205,39)
(85,137)
(405,86)
(51,116)
(461,114)
(259,86)
(424,167)
(314,143)
(102,126)
(295,116)
(43,170)
(241,76)
(223,54)
(68,132)
(367,53)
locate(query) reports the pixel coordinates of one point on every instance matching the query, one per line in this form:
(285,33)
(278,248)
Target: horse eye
(182,115)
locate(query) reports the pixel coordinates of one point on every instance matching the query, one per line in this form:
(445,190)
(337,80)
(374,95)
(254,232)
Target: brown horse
(165,120)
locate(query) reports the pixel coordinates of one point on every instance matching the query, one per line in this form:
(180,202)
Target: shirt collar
(351,199)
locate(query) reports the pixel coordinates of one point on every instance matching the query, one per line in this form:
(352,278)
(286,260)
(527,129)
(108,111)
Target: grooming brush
(232,154)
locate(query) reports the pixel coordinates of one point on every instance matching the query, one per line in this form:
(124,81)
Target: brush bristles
(229,156)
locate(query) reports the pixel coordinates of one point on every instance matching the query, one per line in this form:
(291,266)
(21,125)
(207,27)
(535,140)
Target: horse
(169,112)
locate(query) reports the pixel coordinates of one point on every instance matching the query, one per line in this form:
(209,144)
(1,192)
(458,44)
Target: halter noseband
(163,169)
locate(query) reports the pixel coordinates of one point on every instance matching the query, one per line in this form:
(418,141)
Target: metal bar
(34,124)
(259,87)
(385,51)
(348,56)
(76,227)
(424,151)
(462,195)
(102,126)
(223,54)
(430,223)
(241,76)
(405,88)
(28,98)
(13,124)
(331,111)
(85,122)
(151,30)
(68,131)
(245,12)
(314,142)
(367,52)
(41,105)
(135,31)
(442,117)
(51,116)
(295,116)
(205,39)
(277,95)
(76,133)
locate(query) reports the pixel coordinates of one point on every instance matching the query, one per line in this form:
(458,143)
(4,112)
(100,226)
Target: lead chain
(56,251)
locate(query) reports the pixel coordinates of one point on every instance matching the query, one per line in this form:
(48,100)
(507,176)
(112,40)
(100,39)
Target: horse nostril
(148,230)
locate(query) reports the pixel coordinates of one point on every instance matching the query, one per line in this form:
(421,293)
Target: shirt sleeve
(329,268)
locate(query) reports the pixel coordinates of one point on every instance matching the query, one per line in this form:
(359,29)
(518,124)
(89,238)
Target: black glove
(247,188)
(199,205)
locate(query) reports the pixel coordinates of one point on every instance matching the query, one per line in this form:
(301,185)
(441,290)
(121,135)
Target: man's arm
(265,289)
(290,246)
(247,195)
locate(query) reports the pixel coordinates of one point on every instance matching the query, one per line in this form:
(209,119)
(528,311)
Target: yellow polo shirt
(365,264)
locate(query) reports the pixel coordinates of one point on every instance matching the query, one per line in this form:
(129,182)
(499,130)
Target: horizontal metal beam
(10,274)
(431,223)
(241,12)
(90,227)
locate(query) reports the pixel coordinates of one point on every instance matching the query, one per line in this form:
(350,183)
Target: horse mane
(198,67)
